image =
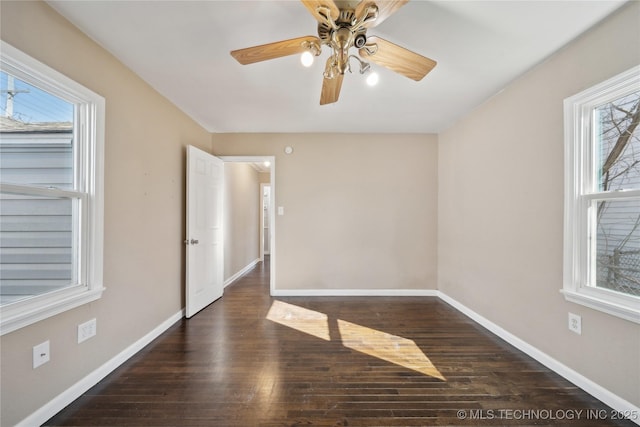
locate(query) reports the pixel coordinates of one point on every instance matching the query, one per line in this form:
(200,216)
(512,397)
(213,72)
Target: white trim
(241,273)
(612,195)
(596,390)
(23,313)
(30,190)
(579,193)
(59,402)
(26,67)
(88,197)
(354,293)
(603,300)
(272,228)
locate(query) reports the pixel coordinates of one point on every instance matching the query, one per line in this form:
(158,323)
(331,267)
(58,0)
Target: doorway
(267,251)
(265,215)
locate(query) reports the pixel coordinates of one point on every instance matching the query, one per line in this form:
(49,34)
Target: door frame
(272,203)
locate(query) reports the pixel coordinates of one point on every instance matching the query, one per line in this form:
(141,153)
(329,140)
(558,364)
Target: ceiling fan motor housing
(346,19)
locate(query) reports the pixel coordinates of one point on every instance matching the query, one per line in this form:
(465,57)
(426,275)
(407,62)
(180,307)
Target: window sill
(624,308)
(23,313)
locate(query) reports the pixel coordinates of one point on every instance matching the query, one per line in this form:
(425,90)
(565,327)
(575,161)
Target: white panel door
(204,272)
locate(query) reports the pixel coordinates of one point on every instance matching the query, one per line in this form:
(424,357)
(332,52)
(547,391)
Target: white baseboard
(354,293)
(596,390)
(59,402)
(241,273)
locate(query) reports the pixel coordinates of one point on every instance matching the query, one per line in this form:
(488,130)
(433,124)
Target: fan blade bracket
(325,13)
(385,8)
(366,16)
(312,46)
(322,10)
(370,49)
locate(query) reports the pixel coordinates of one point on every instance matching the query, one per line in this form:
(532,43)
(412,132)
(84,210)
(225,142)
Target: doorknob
(194,242)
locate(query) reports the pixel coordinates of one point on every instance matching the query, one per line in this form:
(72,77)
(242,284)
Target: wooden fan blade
(313,5)
(386,8)
(331,89)
(398,59)
(274,50)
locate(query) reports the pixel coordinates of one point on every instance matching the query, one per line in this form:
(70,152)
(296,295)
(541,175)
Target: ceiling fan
(343,25)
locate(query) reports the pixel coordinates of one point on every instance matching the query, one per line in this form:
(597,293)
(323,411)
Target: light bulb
(267,164)
(372,79)
(306,58)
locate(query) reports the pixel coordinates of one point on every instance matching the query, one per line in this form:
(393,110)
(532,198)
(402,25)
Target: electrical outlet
(575,323)
(87,330)
(41,354)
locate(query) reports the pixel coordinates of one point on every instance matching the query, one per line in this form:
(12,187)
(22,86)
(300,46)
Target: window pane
(618,246)
(36,245)
(618,147)
(36,136)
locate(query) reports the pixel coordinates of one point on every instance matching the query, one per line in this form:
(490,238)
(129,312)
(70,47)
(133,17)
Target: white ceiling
(181,48)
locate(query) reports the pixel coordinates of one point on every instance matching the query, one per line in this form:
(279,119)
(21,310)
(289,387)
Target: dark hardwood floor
(252,360)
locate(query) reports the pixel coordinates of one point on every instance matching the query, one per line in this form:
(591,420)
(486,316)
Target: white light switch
(280,210)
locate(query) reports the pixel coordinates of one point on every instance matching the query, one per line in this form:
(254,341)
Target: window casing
(81,201)
(602,197)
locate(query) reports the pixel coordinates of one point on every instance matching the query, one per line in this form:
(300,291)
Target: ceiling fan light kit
(342,29)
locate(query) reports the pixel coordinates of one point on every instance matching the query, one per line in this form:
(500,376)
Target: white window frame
(88,194)
(581,192)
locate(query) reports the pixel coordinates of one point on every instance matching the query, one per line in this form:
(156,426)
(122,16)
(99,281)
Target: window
(51,179)
(602,197)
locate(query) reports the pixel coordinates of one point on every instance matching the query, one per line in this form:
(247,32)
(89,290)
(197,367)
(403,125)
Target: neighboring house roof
(9,125)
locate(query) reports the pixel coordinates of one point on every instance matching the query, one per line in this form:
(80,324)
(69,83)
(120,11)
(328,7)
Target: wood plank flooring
(252,360)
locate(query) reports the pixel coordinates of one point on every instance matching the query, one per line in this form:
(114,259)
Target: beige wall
(264,177)
(501,210)
(144,220)
(241,217)
(360,210)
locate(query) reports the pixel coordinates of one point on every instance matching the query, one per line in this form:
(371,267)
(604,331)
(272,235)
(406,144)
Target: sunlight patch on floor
(390,348)
(300,318)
